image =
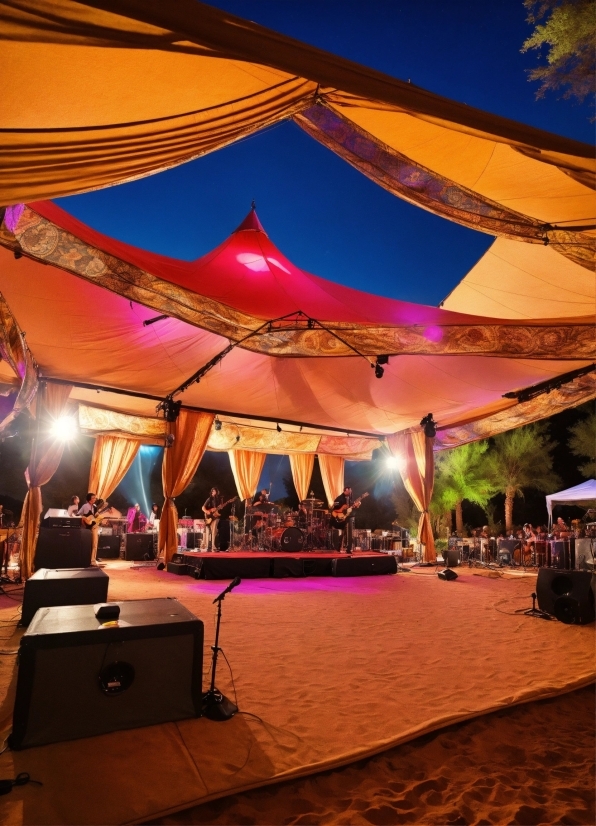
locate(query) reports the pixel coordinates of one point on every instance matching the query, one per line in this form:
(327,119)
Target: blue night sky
(326,217)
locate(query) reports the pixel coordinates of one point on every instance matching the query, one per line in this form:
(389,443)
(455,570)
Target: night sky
(325,216)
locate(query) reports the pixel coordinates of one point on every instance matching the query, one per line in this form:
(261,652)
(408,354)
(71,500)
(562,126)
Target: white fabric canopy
(586,492)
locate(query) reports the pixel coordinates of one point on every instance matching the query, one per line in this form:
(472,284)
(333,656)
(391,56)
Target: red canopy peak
(251,222)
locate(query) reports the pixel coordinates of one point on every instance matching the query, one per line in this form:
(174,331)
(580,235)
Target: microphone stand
(536,612)
(215,706)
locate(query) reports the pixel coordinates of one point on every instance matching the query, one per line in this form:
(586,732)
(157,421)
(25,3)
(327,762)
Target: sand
(337,670)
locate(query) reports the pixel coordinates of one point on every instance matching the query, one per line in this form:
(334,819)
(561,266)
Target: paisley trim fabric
(15,352)
(540,339)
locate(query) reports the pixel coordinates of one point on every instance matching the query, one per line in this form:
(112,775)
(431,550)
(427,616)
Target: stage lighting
(429,425)
(217,424)
(169,440)
(379,371)
(278,428)
(64,428)
(171,409)
(395,462)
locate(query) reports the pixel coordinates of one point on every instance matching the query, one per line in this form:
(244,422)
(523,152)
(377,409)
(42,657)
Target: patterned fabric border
(16,354)
(581,390)
(539,339)
(418,185)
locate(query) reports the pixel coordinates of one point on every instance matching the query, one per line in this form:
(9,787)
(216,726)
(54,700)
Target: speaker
(585,550)
(63,548)
(221,567)
(364,565)
(447,574)
(180,568)
(139,546)
(567,595)
(452,557)
(193,540)
(65,586)
(77,678)
(108,547)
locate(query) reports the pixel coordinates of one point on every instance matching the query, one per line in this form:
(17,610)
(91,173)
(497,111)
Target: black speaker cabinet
(364,565)
(79,679)
(215,566)
(447,574)
(567,595)
(193,540)
(64,586)
(140,546)
(108,547)
(452,557)
(63,548)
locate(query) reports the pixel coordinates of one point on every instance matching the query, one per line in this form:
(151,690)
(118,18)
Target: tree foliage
(568,31)
(583,443)
(521,459)
(463,474)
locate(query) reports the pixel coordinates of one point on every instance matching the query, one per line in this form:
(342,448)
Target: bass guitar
(214,512)
(91,519)
(341,515)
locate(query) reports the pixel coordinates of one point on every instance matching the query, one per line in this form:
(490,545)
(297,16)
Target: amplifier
(108,546)
(63,548)
(62,522)
(64,586)
(139,546)
(79,678)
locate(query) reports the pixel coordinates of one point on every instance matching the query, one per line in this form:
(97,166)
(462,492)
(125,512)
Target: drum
(288,539)
(290,519)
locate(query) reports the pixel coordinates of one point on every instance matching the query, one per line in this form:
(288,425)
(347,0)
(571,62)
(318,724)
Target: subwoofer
(78,678)
(64,586)
(567,595)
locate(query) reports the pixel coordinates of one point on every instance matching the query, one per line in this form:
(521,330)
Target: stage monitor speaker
(180,568)
(108,547)
(77,678)
(452,558)
(64,586)
(63,548)
(567,595)
(139,546)
(447,574)
(364,565)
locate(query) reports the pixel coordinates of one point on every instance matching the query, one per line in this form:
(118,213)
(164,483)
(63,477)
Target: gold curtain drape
(246,467)
(46,452)
(112,457)
(180,463)
(418,473)
(332,471)
(302,465)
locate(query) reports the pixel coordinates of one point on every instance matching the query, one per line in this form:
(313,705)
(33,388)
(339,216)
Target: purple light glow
(433,334)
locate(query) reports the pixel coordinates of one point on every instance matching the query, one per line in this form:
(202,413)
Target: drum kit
(267,527)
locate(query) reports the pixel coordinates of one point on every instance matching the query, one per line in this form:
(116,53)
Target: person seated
(75,504)
(560,528)
(135,519)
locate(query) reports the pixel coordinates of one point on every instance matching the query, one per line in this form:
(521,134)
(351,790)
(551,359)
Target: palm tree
(462,474)
(521,459)
(583,443)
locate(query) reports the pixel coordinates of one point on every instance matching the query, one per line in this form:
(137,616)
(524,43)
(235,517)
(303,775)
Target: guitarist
(90,509)
(211,509)
(346,527)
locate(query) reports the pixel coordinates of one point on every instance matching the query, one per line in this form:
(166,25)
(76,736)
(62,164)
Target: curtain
(418,474)
(332,471)
(180,462)
(112,457)
(302,465)
(46,452)
(246,467)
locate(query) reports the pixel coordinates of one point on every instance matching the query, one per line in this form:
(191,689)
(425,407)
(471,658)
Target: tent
(577,495)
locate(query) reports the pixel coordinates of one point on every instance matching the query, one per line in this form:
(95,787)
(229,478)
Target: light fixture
(395,463)
(278,428)
(379,371)
(64,428)
(170,408)
(217,423)
(238,438)
(429,425)
(169,440)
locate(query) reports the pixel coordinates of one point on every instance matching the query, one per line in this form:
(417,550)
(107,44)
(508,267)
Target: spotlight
(64,428)
(217,423)
(379,371)
(278,428)
(18,254)
(171,409)
(382,359)
(394,462)
(238,438)
(429,425)
(169,440)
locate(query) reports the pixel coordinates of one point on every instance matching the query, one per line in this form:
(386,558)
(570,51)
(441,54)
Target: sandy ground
(532,764)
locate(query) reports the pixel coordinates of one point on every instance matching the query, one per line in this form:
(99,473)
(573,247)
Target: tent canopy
(577,495)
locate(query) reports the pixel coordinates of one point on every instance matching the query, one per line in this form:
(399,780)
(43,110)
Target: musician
(153,520)
(90,509)
(560,528)
(210,508)
(75,504)
(344,501)
(261,498)
(135,519)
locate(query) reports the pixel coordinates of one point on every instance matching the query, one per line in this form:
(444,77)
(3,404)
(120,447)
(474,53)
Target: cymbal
(314,503)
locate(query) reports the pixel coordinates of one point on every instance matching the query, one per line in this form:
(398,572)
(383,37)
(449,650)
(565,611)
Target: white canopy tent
(577,495)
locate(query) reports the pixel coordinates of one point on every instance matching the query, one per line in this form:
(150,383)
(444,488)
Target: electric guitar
(214,512)
(91,520)
(341,515)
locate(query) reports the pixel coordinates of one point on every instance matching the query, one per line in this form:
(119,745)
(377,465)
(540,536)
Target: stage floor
(326,671)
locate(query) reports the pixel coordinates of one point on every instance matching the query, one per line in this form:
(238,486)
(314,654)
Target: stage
(277,564)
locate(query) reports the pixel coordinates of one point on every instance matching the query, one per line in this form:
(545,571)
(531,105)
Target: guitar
(341,515)
(214,512)
(91,520)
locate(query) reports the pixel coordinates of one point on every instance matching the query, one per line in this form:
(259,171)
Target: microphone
(236,581)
